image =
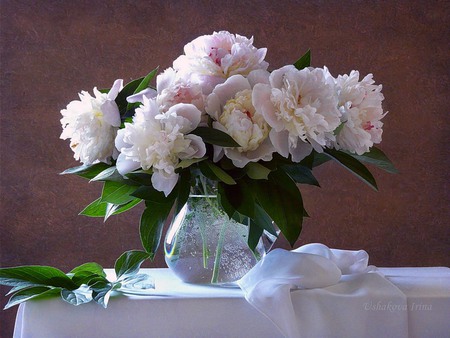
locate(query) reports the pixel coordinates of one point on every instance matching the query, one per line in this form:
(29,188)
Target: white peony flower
(158,141)
(91,124)
(230,106)
(210,59)
(360,105)
(172,88)
(301,107)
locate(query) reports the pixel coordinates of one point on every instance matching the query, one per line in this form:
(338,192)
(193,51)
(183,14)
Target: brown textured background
(50,50)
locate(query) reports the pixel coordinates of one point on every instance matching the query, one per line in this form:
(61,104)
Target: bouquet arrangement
(218,113)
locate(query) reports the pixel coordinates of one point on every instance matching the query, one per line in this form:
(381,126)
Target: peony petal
(111,113)
(115,89)
(164,183)
(148,93)
(276,77)
(280,141)
(230,87)
(212,106)
(165,79)
(192,116)
(198,144)
(125,166)
(302,150)
(258,76)
(263,104)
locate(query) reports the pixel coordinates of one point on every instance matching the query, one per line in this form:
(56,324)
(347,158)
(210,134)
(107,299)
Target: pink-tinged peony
(301,108)
(210,59)
(231,108)
(172,88)
(159,141)
(360,105)
(91,124)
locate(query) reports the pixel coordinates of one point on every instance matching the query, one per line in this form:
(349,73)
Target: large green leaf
(215,136)
(254,234)
(30,293)
(109,174)
(117,192)
(304,61)
(263,220)
(215,173)
(300,174)
(129,263)
(376,157)
(240,196)
(281,200)
(87,171)
(140,177)
(90,267)
(257,171)
(183,190)
(104,209)
(152,223)
(353,165)
(34,275)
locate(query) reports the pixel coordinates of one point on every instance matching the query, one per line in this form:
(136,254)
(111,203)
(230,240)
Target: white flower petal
(280,141)
(115,89)
(111,113)
(164,183)
(125,166)
(149,93)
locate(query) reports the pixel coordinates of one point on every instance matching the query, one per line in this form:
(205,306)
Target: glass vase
(203,245)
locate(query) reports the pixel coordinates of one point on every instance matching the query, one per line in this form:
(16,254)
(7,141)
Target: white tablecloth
(176,309)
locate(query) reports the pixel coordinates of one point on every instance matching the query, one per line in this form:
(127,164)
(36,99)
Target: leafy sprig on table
(81,285)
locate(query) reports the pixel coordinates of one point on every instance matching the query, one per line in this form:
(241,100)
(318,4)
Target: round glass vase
(204,246)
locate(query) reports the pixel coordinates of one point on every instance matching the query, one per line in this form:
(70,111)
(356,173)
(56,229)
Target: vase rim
(208,196)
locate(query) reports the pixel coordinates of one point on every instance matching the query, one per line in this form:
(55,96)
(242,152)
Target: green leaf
(215,136)
(109,174)
(183,189)
(353,165)
(104,209)
(145,83)
(240,196)
(214,172)
(131,88)
(304,61)
(101,291)
(129,263)
(300,174)
(281,200)
(263,220)
(149,193)
(90,267)
(254,234)
(257,171)
(152,223)
(34,275)
(187,163)
(95,209)
(30,293)
(140,177)
(87,171)
(82,295)
(376,157)
(117,193)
